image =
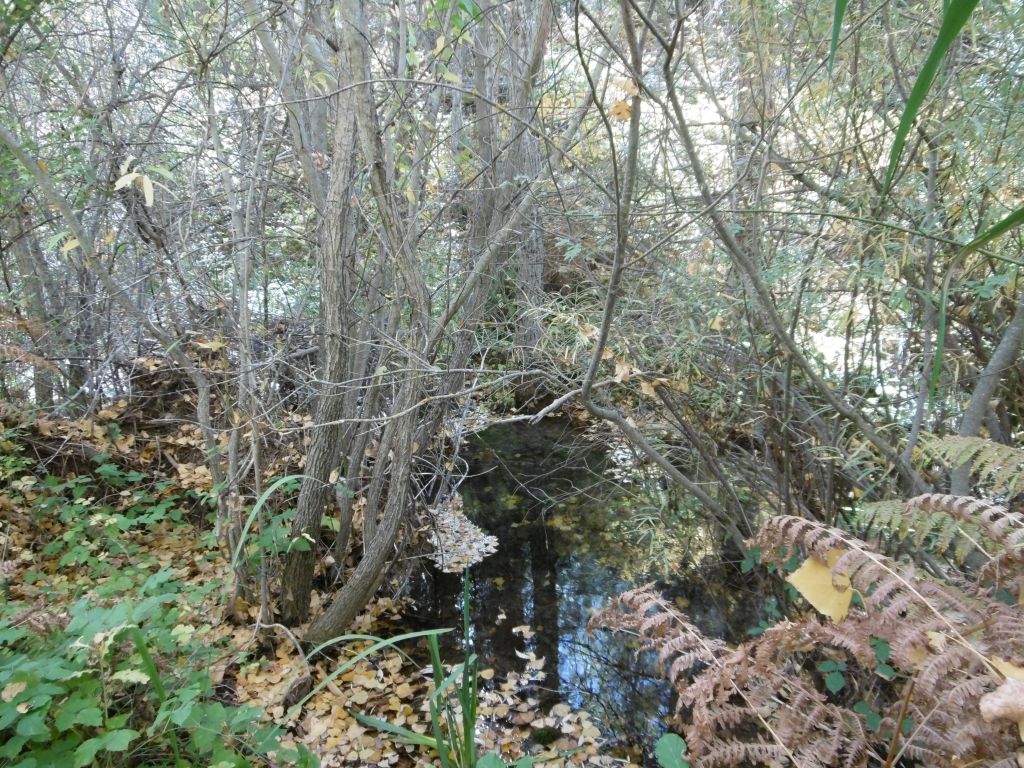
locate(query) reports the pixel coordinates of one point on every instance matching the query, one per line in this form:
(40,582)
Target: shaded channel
(578,522)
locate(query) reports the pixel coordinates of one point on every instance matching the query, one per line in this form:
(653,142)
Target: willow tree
(398,315)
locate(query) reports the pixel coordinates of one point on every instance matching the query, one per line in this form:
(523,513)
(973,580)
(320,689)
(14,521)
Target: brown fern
(12,353)
(762,703)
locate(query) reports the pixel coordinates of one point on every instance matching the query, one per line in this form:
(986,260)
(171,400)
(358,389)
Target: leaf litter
(389,685)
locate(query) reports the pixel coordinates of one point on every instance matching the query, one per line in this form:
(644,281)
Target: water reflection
(572,534)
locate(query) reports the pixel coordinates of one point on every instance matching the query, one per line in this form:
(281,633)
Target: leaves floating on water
(458,542)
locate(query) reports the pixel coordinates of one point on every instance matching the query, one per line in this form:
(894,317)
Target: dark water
(577,525)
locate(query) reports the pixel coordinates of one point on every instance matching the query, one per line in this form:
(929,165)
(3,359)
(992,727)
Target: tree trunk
(1003,358)
(336,253)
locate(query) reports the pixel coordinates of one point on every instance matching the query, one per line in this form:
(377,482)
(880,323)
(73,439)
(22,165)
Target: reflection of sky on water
(563,550)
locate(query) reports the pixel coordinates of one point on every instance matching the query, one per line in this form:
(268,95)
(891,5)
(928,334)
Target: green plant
(452,705)
(670,751)
(122,682)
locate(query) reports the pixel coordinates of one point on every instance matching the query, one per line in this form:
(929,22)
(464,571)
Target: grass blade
(441,745)
(237,554)
(837,25)
(1015,219)
(377,645)
(404,734)
(953,19)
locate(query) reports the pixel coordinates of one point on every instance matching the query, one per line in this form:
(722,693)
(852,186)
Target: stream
(578,522)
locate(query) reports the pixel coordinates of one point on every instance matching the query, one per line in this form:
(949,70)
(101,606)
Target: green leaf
(490,760)
(884,670)
(406,735)
(835,682)
(871,718)
(1015,219)
(837,24)
(882,649)
(161,171)
(79,711)
(953,19)
(86,752)
(669,751)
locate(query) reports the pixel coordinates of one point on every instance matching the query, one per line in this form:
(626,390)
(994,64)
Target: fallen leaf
(1005,703)
(11,691)
(827,591)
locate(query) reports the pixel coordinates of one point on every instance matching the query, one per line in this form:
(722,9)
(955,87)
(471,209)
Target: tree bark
(1003,357)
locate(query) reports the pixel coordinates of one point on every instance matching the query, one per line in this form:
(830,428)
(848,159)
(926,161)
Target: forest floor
(97,516)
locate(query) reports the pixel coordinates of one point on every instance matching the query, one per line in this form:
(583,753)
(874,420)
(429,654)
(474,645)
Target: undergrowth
(88,677)
(898,665)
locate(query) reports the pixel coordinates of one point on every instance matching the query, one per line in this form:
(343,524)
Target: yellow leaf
(147,190)
(649,388)
(69,245)
(716,324)
(131,676)
(817,583)
(621,110)
(918,655)
(125,180)
(213,346)
(1008,670)
(622,371)
(1005,703)
(403,690)
(628,85)
(451,77)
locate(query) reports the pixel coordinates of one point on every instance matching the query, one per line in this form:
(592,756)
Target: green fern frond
(894,523)
(998,467)
(881,519)
(991,527)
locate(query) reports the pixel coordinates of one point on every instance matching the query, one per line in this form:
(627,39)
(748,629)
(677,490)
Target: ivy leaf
(112,741)
(881,648)
(669,751)
(884,670)
(835,681)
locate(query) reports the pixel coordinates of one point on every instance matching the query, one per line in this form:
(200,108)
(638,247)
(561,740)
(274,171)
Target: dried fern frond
(735,690)
(946,645)
(999,467)
(10,353)
(950,526)
(1003,528)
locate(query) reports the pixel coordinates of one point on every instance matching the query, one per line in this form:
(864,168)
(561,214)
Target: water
(578,523)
